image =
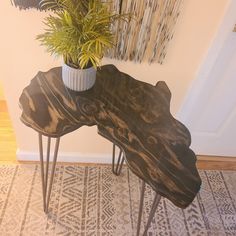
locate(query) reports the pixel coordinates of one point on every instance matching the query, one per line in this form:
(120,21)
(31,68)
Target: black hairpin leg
(152,212)
(140,207)
(46,189)
(117,166)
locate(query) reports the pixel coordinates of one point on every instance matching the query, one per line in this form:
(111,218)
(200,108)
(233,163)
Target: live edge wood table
(133,115)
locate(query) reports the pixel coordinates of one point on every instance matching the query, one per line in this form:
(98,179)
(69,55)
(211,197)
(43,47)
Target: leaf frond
(79,30)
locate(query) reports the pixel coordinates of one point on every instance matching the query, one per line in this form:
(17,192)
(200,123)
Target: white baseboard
(67,157)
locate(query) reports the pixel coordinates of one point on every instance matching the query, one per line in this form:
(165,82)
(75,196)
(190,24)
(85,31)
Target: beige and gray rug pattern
(92,201)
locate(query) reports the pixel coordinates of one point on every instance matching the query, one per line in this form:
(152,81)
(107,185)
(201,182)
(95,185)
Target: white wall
(22,57)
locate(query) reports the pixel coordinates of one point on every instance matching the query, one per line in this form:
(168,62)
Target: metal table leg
(152,212)
(140,207)
(46,189)
(117,166)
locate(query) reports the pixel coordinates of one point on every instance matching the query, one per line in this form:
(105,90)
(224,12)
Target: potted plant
(81,32)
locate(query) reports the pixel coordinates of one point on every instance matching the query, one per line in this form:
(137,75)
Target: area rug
(90,200)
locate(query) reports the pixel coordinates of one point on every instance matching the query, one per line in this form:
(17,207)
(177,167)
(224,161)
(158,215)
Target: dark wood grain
(132,114)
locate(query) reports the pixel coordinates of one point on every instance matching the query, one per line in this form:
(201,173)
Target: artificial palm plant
(79,30)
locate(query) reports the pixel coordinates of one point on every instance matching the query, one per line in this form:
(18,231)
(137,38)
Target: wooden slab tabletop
(132,114)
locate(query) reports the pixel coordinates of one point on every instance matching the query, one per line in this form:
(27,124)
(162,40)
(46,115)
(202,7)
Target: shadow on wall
(26,4)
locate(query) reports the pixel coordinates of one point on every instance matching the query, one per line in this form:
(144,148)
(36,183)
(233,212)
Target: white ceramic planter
(78,79)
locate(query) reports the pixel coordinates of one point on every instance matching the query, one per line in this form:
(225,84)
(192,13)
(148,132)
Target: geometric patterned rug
(90,200)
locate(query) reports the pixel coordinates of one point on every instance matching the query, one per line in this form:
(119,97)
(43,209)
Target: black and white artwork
(146,36)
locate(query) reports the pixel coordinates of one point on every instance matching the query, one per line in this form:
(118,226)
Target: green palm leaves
(79,30)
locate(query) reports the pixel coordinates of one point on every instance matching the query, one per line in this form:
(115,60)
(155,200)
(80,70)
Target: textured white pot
(78,79)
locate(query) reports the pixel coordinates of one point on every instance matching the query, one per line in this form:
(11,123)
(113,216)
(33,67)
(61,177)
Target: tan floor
(8,147)
(216,163)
